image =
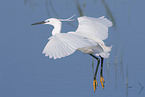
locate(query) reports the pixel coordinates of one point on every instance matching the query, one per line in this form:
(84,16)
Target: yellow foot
(102,81)
(94,84)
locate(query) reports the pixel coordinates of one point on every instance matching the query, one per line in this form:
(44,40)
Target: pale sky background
(26,72)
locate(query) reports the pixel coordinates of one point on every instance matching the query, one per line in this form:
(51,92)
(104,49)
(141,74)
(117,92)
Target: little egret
(88,38)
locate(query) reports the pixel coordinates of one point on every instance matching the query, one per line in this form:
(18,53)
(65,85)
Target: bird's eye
(47,21)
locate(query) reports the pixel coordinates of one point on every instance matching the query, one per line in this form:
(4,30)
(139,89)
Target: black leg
(95,81)
(101,73)
(97,65)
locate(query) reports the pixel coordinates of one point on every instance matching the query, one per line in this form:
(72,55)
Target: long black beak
(39,23)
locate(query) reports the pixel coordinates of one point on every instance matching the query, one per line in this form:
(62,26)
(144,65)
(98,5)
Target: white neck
(57,28)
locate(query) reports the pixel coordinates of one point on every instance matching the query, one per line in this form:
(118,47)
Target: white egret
(88,38)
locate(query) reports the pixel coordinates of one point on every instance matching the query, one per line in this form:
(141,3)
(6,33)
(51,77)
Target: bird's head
(50,21)
(54,21)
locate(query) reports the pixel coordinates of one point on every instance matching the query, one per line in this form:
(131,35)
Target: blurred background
(26,72)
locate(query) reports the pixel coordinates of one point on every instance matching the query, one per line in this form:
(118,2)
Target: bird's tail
(106,51)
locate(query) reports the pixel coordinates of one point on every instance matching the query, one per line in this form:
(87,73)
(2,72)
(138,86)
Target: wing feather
(94,27)
(64,44)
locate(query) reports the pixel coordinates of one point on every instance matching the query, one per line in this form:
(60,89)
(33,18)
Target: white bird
(88,38)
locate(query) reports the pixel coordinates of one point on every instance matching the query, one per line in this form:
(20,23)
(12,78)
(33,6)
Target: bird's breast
(87,50)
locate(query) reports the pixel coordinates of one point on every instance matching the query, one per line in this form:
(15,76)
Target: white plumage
(64,44)
(88,38)
(94,28)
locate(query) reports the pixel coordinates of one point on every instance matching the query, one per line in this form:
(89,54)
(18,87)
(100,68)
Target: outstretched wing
(64,44)
(93,27)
